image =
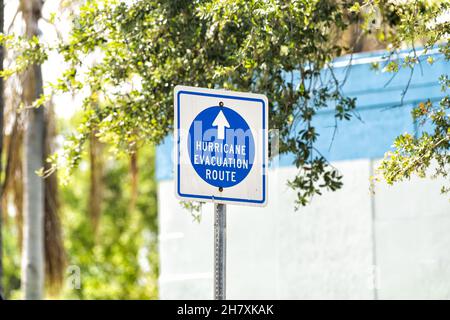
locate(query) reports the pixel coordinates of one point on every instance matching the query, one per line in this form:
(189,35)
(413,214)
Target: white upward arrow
(221,122)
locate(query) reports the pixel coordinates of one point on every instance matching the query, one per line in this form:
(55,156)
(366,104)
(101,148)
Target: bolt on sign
(221,149)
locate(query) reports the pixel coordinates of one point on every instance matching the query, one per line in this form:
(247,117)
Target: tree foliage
(119,260)
(424,23)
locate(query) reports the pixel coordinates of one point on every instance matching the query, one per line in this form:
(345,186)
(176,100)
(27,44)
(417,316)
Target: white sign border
(178,90)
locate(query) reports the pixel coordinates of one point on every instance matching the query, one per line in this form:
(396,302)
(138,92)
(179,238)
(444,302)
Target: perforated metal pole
(220,246)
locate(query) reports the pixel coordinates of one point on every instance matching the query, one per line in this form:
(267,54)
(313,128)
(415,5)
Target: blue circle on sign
(221,146)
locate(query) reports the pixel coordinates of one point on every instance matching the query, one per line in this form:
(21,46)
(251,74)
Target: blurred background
(101,166)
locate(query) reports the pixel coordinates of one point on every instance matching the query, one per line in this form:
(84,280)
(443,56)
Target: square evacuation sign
(221,149)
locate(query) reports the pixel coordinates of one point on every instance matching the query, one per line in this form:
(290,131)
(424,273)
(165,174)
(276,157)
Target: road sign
(221,149)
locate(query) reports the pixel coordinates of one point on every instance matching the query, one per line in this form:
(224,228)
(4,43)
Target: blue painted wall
(378,104)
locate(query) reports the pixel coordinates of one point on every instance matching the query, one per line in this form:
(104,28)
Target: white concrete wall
(326,250)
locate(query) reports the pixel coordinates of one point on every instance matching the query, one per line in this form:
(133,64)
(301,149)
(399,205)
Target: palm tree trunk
(33,244)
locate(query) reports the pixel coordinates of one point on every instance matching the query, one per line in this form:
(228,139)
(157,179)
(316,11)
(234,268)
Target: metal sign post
(220,246)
